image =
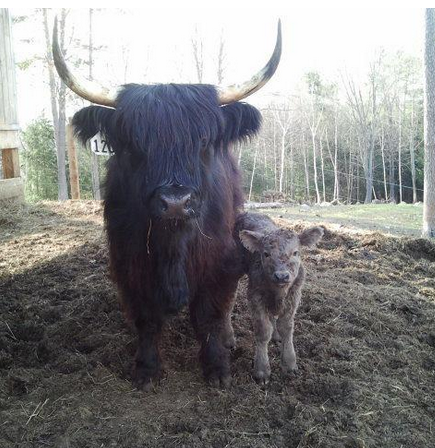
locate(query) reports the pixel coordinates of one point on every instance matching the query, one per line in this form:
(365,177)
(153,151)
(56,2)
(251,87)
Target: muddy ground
(365,339)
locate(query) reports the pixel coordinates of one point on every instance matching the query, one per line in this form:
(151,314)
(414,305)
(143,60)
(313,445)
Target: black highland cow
(172,196)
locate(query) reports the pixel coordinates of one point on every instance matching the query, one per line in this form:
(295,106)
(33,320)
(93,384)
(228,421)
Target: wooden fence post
(10,186)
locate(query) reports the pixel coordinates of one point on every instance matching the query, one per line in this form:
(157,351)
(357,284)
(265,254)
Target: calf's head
(279,251)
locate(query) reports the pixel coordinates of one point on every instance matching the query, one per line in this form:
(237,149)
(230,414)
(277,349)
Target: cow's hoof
(145,381)
(220,381)
(229,341)
(144,384)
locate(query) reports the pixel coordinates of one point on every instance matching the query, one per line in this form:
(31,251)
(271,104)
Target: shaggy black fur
(165,135)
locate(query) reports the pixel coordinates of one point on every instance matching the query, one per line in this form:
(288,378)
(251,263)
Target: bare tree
(221,59)
(429,126)
(253,171)
(412,154)
(283,119)
(58,99)
(95,174)
(197,48)
(364,114)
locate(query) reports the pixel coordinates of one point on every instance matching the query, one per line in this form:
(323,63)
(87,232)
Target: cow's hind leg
(147,361)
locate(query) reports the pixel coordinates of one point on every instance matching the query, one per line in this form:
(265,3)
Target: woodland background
(344,139)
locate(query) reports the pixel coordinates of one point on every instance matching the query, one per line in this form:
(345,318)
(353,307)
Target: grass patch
(401,219)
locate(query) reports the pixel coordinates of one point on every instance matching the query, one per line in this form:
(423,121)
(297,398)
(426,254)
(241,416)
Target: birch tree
(429,126)
(94,158)
(198,56)
(58,100)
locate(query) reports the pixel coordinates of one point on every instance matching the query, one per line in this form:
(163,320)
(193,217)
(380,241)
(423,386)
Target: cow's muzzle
(174,202)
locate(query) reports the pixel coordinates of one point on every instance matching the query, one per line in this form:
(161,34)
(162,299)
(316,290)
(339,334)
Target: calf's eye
(295,253)
(266,254)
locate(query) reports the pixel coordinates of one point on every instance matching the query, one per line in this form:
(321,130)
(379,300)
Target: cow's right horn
(237,92)
(88,90)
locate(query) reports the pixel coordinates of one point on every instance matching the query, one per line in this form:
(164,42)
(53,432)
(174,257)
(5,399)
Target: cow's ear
(311,236)
(242,121)
(251,240)
(90,120)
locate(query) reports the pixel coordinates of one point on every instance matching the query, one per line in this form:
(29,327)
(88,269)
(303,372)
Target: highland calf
(272,261)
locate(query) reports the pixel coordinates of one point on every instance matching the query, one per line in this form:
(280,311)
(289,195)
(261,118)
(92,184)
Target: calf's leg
(285,326)
(275,335)
(228,339)
(263,330)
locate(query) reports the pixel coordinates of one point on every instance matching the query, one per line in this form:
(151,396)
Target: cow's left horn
(88,90)
(237,92)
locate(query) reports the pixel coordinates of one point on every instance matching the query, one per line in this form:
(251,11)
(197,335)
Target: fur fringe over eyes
(168,116)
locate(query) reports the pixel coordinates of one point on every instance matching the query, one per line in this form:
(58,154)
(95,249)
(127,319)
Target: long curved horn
(88,90)
(237,92)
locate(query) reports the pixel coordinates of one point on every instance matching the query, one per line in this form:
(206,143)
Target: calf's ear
(310,237)
(251,240)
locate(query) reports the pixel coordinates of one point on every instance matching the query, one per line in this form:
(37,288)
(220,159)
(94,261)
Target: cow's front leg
(210,320)
(263,330)
(147,361)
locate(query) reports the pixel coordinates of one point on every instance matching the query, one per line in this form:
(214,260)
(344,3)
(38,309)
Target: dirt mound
(365,340)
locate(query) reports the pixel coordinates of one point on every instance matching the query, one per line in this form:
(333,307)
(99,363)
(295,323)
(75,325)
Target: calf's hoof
(262,377)
(290,369)
(276,337)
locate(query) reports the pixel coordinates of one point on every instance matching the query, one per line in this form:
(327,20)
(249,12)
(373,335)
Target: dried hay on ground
(365,338)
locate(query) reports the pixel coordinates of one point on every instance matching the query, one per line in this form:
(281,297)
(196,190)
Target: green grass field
(401,219)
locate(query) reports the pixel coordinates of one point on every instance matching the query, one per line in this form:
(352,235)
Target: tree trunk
(412,154)
(307,173)
(95,172)
(197,47)
(57,106)
(292,173)
(391,177)
(316,185)
(399,167)
(221,60)
(322,166)
(275,159)
(383,163)
(336,180)
(282,159)
(253,172)
(429,127)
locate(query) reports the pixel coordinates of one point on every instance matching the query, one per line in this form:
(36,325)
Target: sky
(155,44)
